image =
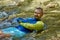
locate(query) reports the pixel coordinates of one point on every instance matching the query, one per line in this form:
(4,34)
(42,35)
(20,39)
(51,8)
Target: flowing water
(51,19)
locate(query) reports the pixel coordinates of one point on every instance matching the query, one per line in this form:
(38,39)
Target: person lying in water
(25,26)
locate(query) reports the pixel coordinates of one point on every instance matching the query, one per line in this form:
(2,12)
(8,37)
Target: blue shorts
(14,32)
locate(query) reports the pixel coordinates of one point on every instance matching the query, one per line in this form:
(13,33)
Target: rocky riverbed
(26,8)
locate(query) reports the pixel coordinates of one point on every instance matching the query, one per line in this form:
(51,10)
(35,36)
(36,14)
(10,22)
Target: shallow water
(51,19)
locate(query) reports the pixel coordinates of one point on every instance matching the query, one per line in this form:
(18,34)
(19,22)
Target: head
(38,13)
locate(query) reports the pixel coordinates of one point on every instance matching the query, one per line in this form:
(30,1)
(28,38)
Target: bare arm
(2,35)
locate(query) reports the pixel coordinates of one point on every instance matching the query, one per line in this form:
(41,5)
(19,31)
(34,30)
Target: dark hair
(39,8)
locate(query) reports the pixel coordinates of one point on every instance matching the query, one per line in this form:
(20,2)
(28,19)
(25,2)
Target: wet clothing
(39,25)
(19,30)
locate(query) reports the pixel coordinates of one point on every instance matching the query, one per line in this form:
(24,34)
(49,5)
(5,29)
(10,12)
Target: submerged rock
(52,5)
(9,2)
(3,14)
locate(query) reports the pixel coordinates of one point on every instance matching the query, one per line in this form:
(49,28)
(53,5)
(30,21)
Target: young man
(25,26)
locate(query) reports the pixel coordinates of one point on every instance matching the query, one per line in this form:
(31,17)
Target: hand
(2,35)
